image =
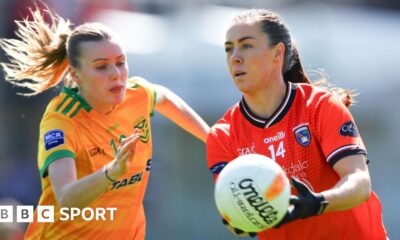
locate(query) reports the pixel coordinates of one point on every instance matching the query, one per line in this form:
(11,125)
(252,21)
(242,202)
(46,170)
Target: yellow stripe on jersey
(68,108)
(72,103)
(75,111)
(62,102)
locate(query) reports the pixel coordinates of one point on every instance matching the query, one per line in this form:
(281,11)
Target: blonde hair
(40,57)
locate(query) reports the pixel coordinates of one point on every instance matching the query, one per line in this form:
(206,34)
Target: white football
(252,193)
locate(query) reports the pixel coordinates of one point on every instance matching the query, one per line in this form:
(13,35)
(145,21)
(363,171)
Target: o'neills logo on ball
(266,211)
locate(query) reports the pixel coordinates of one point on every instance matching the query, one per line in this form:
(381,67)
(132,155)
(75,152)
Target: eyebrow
(106,59)
(240,40)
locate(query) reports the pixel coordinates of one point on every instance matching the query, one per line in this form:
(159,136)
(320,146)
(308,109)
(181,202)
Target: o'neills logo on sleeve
(245,191)
(349,129)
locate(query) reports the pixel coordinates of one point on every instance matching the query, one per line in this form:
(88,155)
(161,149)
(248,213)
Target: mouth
(117,89)
(239,74)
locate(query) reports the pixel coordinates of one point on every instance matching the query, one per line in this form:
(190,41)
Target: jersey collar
(73,92)
(279,113)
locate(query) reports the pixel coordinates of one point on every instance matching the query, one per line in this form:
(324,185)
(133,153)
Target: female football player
(306,129)
(95,144)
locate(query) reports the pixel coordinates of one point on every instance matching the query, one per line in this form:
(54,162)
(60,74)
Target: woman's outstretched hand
(123,159)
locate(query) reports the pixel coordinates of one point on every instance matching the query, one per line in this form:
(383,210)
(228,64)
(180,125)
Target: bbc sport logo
(45,213)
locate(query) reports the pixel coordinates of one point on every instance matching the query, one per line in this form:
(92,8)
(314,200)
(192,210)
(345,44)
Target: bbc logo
(45,213)
(25,213)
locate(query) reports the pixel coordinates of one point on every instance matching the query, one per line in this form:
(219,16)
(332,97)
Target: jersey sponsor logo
(278,136)
(96,151)
(303,136)
(148,164)
(247,150)
(53,138)
(217,168)
(349,129)
(296,169)
(127,181)
(143,127)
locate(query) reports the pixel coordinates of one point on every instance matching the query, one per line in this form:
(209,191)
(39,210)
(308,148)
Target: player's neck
(101,108)
(266,101)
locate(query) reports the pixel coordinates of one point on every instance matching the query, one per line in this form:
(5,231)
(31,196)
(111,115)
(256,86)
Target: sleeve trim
(154,103)
(217,168)
(341,149)
(342,154)
(52,157)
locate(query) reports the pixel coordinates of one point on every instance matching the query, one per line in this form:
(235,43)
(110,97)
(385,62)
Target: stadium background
(179,44)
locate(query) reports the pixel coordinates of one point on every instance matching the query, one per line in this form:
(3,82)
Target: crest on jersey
(143,127)
(303,135)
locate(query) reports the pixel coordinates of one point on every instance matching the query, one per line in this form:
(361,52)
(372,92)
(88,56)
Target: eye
(121,63)
(246,46)
(228,49)
(101,67)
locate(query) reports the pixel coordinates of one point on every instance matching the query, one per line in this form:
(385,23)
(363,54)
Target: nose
(236,58)
(114,73)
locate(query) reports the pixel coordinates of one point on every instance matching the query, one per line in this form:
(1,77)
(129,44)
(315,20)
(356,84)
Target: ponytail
(38,59)
(296,74)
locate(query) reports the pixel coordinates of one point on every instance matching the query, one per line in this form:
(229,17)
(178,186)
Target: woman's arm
(354,186)
(173,107)
(70,192)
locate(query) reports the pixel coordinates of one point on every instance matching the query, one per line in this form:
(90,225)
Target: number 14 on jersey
(279,152)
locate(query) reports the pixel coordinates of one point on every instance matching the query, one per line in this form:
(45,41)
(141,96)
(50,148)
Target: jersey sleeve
(338,134)
(146,85)
(218,147)
(57,139)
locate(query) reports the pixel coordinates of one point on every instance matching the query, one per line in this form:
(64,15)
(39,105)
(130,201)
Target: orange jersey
(309,132)
(69,128)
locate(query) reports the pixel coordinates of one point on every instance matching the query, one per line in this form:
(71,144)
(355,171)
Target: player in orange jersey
(306,129)
(95,145)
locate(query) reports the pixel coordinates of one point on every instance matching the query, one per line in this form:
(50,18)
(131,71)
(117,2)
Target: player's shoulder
(139,90)
(136,82)
(315,96)
(67,105)
(320,100)
(53,117)
(312,92)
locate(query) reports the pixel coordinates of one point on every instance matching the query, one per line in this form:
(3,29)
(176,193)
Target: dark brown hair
(277,31)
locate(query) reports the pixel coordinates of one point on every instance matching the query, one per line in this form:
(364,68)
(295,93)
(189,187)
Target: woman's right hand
(125,154)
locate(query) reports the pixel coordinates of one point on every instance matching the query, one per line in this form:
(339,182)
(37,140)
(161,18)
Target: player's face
(102,74)
(249,56)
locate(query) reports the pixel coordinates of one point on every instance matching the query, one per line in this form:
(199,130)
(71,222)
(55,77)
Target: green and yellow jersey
(69,128)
